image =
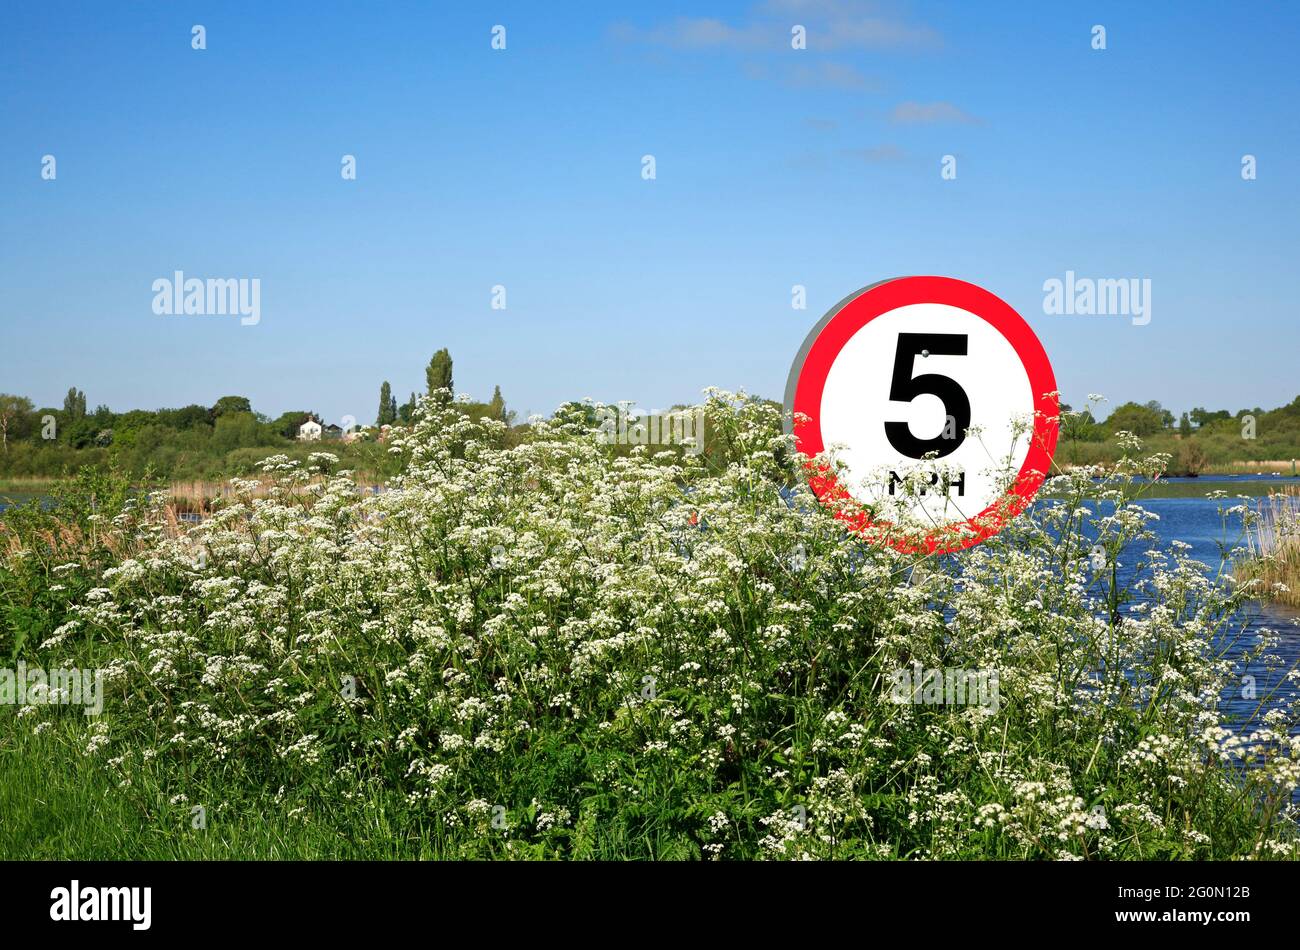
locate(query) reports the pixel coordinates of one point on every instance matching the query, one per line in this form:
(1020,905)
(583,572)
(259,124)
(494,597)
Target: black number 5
(904,387)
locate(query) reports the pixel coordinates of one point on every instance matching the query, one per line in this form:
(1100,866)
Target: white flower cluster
(612,647)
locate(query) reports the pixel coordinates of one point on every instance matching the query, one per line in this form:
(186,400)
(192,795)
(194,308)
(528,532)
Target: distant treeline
(230,438)
(1196,441)
(195,442)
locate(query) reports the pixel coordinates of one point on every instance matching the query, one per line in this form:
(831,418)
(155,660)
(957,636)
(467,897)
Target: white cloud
(930,113)
(831,25)
(832,75)
(852,24)
(877,154)
(688,33)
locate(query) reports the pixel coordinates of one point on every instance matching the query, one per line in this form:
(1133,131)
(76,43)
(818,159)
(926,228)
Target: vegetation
(438,375)
(227,439)
(1191,456)
(387,406)
(551,647)
(194,442)
(35,539)
(1274,565)
(1250,440)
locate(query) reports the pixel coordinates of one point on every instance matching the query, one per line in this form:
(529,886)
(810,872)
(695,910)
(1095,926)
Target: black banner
(369,899)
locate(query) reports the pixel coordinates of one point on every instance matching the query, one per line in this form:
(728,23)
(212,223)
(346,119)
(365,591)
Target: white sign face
(970,377)
(935,397)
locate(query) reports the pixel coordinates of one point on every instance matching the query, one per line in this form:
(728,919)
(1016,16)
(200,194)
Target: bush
(553,650)
(53,549)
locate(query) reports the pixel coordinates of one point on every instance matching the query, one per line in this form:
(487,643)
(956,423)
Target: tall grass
(1274,563)
(200,497)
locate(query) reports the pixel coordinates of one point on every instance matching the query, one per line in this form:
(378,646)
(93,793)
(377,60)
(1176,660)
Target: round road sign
(937,402)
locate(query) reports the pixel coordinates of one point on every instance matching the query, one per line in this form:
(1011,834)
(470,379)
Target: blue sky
(522,167)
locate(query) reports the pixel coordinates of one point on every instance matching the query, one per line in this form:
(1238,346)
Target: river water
(1197,521)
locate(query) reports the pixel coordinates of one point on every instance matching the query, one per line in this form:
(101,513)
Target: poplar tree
(438,373)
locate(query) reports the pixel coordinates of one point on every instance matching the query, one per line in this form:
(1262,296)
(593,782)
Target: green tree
(185,418)
(407,412)
(287,424)
(1166,417)
(1080,426)
(74,404)
(387,415)
(1185,427)
(1140,420)
(438,372)
(1201,417)
(235,430)
(497,407)
(14,414)
(231,404)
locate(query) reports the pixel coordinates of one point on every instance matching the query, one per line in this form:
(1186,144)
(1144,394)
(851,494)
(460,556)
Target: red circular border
(902,292)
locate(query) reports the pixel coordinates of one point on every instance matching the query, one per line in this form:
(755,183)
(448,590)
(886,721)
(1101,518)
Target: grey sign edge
(792,381)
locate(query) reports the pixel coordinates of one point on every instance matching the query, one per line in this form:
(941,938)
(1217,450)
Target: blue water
(1198,522)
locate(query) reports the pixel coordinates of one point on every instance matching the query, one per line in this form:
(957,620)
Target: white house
(309,431)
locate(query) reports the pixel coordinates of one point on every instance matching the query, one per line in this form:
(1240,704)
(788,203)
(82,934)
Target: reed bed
(1251,467)
(1275,547)
(201,497)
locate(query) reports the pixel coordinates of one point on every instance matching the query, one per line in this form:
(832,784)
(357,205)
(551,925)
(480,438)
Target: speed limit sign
(937,402)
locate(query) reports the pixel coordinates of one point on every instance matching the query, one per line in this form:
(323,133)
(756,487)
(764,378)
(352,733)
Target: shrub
(551,649)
